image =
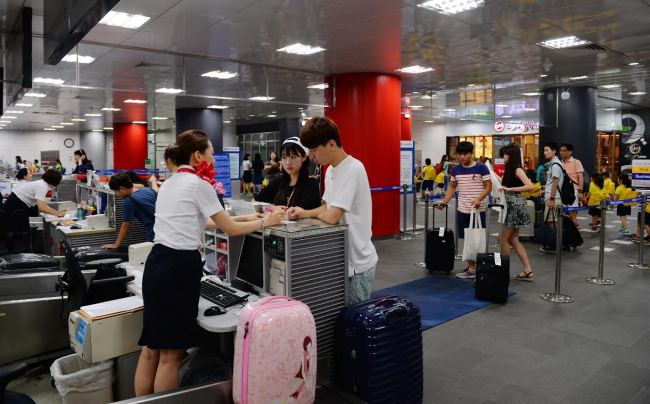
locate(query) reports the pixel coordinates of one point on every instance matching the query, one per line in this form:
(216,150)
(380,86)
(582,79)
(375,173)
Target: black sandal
(525,276)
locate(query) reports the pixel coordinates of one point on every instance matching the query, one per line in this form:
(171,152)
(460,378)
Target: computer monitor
(250,269)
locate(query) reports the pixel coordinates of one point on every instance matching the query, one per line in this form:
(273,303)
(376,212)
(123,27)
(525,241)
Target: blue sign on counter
(222,168)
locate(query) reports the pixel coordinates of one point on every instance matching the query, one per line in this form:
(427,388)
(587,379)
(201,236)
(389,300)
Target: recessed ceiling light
(227,121)
(415,69)
(169,90)
(97,130)
(72,58)
(530,109)
(3,121)
(251,115)
(124,20)
(471,85)
(133,101)
(22,104)
(428,121)
(543,75)
(107,128)
(78,120)
(159,118)
(49,129)
(14,112)
(218,74)
(564,42)
(319,86)
(259,98)
(46,80)
(637,93)
(139,122)
(111,109)
(67,123)
(610,86)
(578,77)
(633,63)
(58,126)
(449,7)
(531,94)
(217,106)
(271,116)
(301,49)
(416,106)
(449,110)
(610,109)
(501,105)
(506,116)
(9,117)
(35,94)
(92,114)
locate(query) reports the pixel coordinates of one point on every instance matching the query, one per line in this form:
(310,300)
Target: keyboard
(219,294)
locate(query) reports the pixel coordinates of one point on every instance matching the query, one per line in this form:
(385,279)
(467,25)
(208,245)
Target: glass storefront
(608,151)
(488,146)
(263,143)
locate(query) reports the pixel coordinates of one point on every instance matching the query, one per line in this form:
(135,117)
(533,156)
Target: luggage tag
(441,232)
(497,259)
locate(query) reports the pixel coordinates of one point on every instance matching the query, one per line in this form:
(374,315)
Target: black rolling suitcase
(492,277)
(379,351)
(440,246)
(28,262)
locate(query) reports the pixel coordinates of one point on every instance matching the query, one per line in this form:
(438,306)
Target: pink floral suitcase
(275,353)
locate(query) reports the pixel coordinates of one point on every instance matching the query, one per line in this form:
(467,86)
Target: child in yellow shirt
(596,194)
(608,184)
(624,191)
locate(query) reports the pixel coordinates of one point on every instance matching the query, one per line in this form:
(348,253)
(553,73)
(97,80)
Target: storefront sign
(640,173)
(516,127)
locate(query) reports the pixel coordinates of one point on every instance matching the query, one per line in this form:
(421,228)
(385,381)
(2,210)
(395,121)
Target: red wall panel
(129,145)
(367,111)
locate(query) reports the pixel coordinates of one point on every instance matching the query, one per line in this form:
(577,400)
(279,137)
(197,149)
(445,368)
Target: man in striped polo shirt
(472,181)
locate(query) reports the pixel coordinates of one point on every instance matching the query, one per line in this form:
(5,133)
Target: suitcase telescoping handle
(433,218)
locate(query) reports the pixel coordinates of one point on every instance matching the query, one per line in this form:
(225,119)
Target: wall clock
(69,143)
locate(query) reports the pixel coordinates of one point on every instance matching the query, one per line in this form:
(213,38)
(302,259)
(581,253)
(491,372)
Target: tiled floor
(595,350)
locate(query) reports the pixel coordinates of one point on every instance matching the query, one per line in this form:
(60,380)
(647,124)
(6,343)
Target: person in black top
(83,164)
(258,172)
(293,187)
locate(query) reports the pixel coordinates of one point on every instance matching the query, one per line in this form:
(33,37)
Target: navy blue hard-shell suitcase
(379,351)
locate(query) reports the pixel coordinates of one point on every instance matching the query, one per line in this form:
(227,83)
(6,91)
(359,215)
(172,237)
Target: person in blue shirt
(139,203)
(83,164)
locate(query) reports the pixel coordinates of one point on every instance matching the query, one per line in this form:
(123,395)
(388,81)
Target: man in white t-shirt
(346,200)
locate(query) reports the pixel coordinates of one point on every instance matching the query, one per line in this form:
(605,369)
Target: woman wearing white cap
(293,187)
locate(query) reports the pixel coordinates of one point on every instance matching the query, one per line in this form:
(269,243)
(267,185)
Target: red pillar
(406,124)
(366,107)
(129,145)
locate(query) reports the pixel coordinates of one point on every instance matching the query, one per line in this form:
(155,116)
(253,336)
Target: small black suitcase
(492,280)
(440,247)
(28,262)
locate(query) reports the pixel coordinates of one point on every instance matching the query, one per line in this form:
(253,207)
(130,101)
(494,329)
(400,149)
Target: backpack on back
(567,192)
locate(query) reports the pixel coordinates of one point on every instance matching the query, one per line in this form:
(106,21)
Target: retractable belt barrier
(403,234)
(568,209)
(379,189)
(556,296)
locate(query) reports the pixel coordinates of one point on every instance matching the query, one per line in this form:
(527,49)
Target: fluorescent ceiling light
(501,105)
(111,109)
(159,118)
(21,104)
(506,116)
(301,49)
(97,130)
(218,74)
(5,121)
(449,110)
(107,128)
(319,86)
(124,20)
(634,93)
(72,58)
(564,42)
(610,109)
(578,77)
(78,120)
(530,109)
(58,126)
(35,94)
(67,123)
(259,98)
(140,122)
(271,116)
(610,86)
(633,63)
(45,80)
(227,121)
(416,107)
(132,101)
(13,117)
(92,114)
(14,112)
(415,69)
(428,121)
(49,129)
(169,90)
(531,94)
(217,106)
(449,7)
(543,75)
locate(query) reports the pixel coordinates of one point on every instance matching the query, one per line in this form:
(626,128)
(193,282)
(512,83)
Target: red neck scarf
(205,171)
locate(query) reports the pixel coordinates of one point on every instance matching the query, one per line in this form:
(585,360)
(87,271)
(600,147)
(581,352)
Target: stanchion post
(487,228)
(641,225)
(415,211)
(423,263)
(601,252)
(457,257)
(556,296)
(404,235)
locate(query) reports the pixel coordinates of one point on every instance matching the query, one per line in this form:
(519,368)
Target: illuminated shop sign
(516,126)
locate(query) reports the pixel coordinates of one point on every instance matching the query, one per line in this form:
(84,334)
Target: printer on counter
(139,252)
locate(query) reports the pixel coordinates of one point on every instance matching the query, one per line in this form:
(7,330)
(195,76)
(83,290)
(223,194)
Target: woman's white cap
(296,140)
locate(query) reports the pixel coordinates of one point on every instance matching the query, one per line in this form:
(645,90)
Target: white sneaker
(466,274)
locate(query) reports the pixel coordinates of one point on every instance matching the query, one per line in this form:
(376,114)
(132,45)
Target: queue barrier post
(415,210)
(556,296)
(641,223)
(403,233)
(601,252)
(423,264)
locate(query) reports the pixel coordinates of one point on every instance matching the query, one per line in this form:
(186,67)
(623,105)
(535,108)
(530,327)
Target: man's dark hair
(427,162)
(551,145)
(21,174)
(464,147)
(568,146)
(120,180)
(52,177)
(319,131)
